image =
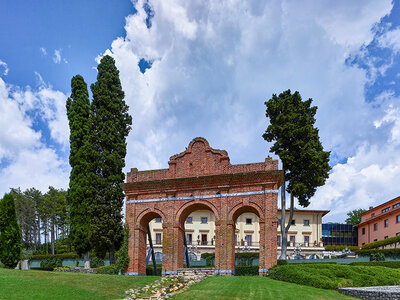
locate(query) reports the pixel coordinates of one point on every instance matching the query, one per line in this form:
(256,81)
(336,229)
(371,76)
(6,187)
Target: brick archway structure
(202,178)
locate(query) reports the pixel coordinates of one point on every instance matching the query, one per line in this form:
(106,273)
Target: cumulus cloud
(43,50)
(215,63)
(3,66)
(391,39)
(27,158)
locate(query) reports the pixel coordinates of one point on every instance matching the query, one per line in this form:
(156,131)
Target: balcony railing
(246,244)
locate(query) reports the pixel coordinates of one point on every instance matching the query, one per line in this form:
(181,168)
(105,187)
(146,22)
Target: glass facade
(339,234)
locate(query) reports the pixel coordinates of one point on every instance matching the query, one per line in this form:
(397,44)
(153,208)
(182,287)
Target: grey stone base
(373,292)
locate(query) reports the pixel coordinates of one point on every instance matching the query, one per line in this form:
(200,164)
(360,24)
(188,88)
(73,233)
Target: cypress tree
(80,192)
(110,123)
(305,164)
(10,233)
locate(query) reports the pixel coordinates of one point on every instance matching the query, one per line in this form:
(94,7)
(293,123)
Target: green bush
(330,276)
(150,270)
(341,247)
(50,263)
(282,262)
(96,262)
(109,270)
(387,264)
(395,252)
(381,243)
(246,270)
(379,256)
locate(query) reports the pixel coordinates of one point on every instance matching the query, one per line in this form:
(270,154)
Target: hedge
(50,263)
(330,276)
(150,270)
(387,252)
(246,270)
(387,264)
(109,270)
(244,259)
(341,247)
(381,243)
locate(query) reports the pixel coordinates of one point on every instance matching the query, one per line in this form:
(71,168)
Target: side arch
(147,215)
(241,208)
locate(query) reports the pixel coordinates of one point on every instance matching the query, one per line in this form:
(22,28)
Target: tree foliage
(110,125)
(122,253)
(354,216)
(305,164)
(10,233)
(80,192)
(296,142)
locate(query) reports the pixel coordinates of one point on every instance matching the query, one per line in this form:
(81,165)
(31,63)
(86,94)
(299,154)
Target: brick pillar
(225,247)
(137,252)
(172,249)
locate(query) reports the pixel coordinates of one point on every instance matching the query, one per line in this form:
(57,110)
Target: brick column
(225,247)
(137,252)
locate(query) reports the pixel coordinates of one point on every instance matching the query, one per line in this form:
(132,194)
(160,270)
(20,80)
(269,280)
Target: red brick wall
(198,172)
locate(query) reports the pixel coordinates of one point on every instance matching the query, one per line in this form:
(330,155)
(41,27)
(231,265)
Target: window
(386,237)
(306,222)
(204,239)
(363,244)
(236,239)
(375,226)
(386,223)
(203,220)
(397,219)
(189,220)
(279,221)
(158,238)
(293,239)
(189,238)
(363,231)
(386,209)
(158,220)
(248,239)
(372,215)
(248,221)
(306,239)
(375,240)
(293,222)
(279,240)
(396,205)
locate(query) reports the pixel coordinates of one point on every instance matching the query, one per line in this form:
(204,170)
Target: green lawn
(16,284)
(254,288)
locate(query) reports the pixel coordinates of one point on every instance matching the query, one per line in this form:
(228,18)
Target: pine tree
(10,233)
(305,164)
(109,128)
(80,192)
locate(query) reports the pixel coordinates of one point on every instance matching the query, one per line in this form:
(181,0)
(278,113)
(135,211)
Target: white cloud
(26,158)
(4,66)
(215,63)
(43,50)
(391,39)
(57,56)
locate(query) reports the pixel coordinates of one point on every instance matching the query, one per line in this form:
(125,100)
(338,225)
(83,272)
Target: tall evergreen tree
(305,164)
(10,233)
(109,128)
(80,193)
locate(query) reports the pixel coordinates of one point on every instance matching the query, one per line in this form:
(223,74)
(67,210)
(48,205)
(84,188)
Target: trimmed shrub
(377,257)
(109,270)
(329,276)
(150,270)
(282,262)
(96,262)
(387,264)
(381,243)
(395,252)
(246,270)
(50,263)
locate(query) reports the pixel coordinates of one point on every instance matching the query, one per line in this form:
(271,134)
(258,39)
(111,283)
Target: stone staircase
(196,272)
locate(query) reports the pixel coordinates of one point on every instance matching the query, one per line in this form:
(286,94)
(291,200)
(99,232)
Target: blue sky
(205,69)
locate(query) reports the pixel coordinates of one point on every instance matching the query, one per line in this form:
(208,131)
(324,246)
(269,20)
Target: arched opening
(197,221)
(246,240)
(151,231)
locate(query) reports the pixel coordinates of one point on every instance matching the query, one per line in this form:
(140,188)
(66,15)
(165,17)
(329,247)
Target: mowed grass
(254,287)
(17,284)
